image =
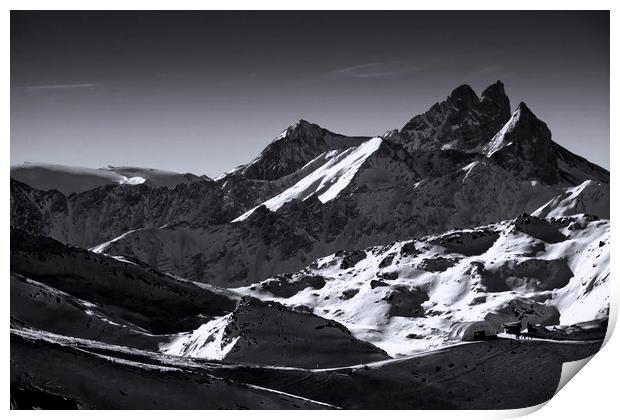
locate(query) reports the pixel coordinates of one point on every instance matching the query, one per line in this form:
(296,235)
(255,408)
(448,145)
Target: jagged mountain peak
(464,96)
(524,146)
(495,94)
(463,121)
(493,99)
(495,90)
(523,116)
(301,123)
(301,142)
(524,113)
(523,126)
(301,127)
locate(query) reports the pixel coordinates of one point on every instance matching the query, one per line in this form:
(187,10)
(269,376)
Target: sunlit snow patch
(328,180)
(101,248)
(498,141)
(134,180)
(205,342)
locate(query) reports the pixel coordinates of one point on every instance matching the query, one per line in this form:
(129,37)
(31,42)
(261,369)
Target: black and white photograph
(306,209)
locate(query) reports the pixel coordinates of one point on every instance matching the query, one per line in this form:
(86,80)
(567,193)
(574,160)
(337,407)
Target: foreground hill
(51,371)
(272,334)
(73,292)
(56,372)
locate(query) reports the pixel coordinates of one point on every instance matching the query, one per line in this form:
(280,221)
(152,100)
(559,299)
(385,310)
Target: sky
(205,91)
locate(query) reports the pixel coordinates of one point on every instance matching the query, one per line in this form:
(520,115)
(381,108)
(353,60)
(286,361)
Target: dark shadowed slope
(498,374)
(156,302)
(47,374)
(70,291)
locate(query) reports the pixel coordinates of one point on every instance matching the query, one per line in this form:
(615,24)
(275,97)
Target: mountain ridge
(310,201)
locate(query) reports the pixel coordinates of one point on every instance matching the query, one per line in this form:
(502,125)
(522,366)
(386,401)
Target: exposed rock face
(408,249)
(528,276)
(387,275)
(350,260)
(524,147)
(468,243)
(525,311)
(463,121)
(283,286)
(437,264)
(36,211)
(378,283)
(406,301)
(539,228)
(387,261)
(349,293)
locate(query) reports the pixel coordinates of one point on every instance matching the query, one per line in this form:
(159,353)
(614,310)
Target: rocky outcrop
(463,121)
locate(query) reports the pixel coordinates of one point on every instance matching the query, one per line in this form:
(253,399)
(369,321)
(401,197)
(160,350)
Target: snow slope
(328,180)
(404,297)
(207,341)
(588,197)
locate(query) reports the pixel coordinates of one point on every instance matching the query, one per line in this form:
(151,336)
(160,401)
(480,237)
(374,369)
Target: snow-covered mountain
(311,193)
(327,181)
(380,204)
(327,265)
(293,148)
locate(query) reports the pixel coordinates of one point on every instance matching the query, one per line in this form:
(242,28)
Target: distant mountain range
(466,162)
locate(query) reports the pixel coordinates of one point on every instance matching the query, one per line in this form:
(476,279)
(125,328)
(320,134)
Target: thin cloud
(65,86)
(378,69)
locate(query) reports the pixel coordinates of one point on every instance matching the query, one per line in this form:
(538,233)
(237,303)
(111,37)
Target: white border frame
(591,395)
